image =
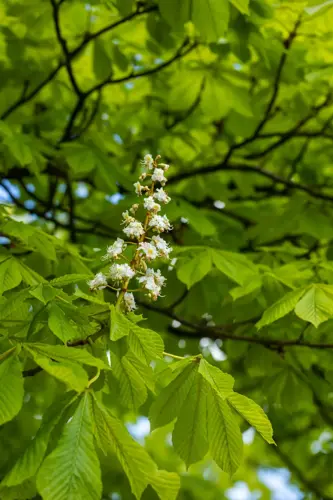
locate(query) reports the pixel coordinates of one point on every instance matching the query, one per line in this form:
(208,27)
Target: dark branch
(23,99)
(133,75)
(63,44)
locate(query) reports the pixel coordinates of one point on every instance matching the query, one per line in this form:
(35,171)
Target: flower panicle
(146,240)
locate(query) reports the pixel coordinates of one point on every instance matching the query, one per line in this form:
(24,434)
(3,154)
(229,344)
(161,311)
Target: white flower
(160,223)
(153,282)
(161,196)
(165,166)
(172,263)
(114,250)
(138,188)
(134,229)
(149,250)
(127,218)
(134,208)
(150,204)
(148,161)
(143,176)
(98,283)
(159,279)
(119,272)
(129,301)
(158,176)
(162,246)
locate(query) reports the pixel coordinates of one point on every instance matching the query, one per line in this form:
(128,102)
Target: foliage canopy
(236,96)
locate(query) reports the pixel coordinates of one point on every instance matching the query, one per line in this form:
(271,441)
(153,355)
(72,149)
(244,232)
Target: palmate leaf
(132,388)
(195,269)
(44,292)
(222,383)
(72,470)
(166,484)
(10,275)
(119,324)
(60,324)
(316,305)
(69,279)
(281,308)
(113,437)
(168,403)
(241,5)
(255,415)
(70,373)
(189,436)
(13,303)
(234,265)
(29,462)
(145,344)
(211,18)
(198,398)
(11,388)
(224,436)
(23,491)
(64,353)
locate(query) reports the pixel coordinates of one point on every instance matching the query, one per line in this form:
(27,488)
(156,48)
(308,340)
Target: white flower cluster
(147,247)
(152,281)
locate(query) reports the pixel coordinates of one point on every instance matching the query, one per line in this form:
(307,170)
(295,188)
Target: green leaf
(189,436)
(101,60)
(166,484)
(224,436)
(44,292)
(19,148)
(255,415)
(71,374)
(195,269)
(235,266)
(166,406)
(80,157)
(316,305)
(60,324)
(69,279)
(241,5)
(211,17)
(33,237)
(90,298)
(15,302)
(145,344)
(64,353)
(29,276)
(125,7)
(280,308)
(119,324)
(72,470)
(10,275)
(11,389)
(175,13)
(23,491)
(132,388)
(119,57)
(113,437)
(29,462)
(221,382)
(144,371)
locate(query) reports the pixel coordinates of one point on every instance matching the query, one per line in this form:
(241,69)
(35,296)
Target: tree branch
(63,44)
(23,99)
(133,75)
